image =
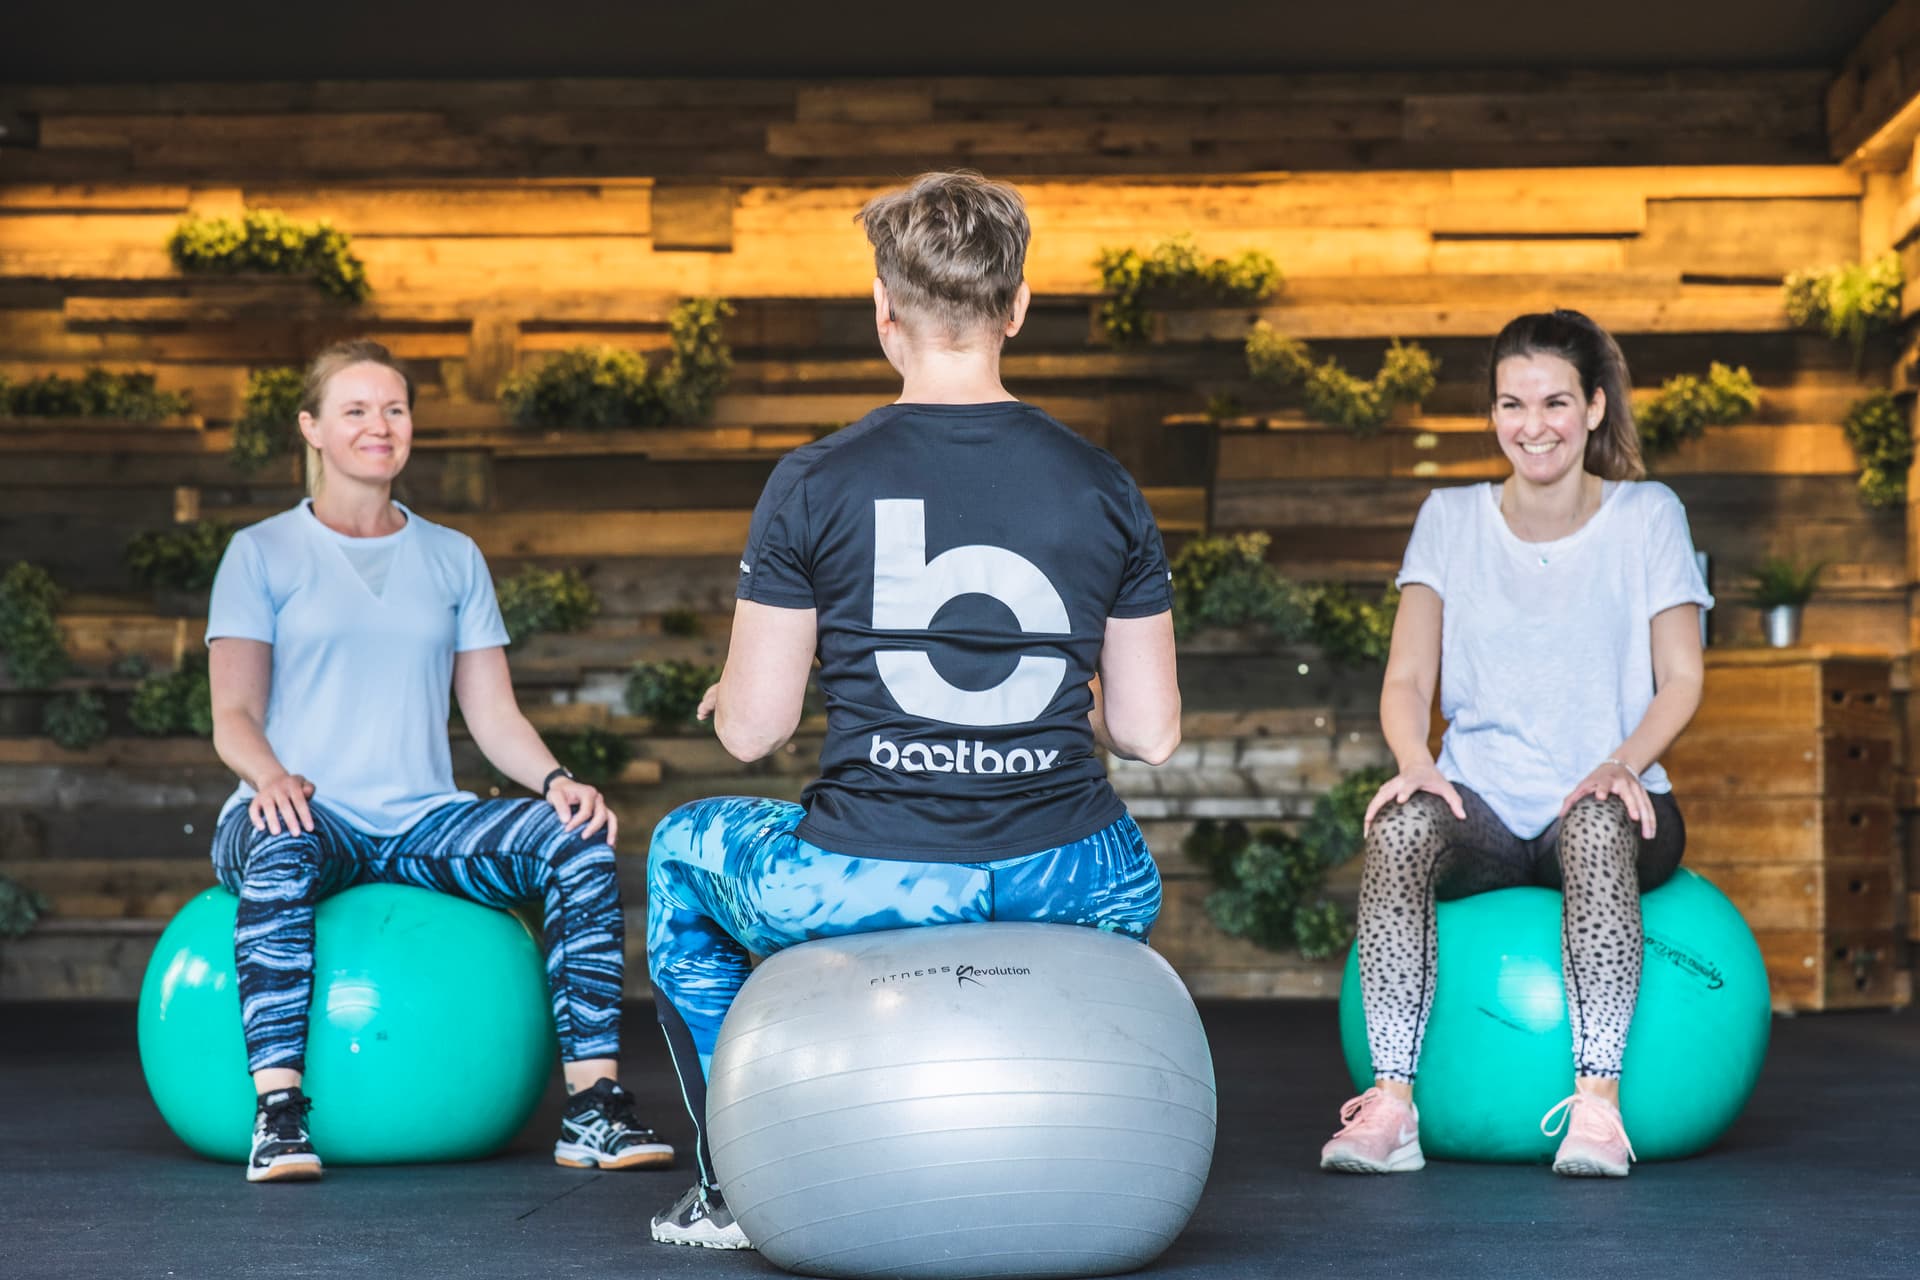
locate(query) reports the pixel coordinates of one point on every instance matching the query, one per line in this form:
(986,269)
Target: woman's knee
(278,865)
(1409,833)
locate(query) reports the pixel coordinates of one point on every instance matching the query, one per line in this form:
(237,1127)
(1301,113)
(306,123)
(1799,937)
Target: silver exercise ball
(967,1100)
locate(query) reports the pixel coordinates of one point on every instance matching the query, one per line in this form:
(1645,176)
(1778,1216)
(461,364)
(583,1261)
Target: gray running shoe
(700,1217)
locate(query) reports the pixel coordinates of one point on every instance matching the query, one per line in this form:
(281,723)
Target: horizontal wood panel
(1852,895)
(1734,830)
(1779,763)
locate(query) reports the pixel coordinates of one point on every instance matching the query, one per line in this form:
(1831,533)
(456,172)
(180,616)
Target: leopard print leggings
(1418,852)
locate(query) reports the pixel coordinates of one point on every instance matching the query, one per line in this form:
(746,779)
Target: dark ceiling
(144,40)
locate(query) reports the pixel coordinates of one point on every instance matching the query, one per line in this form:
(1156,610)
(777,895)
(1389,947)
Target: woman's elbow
(1151,748)
(748,742)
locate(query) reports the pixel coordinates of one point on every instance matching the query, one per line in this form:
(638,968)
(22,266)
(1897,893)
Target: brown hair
(313,392)
(1613,449)
(951,248)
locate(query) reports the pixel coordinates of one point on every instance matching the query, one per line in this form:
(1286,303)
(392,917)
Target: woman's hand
(578,803)
(1402,786)
(1616,779)
(282,802)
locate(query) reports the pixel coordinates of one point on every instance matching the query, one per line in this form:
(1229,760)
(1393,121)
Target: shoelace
(618,1108)
(287,1120)
(1351,1109)
(1599,1117)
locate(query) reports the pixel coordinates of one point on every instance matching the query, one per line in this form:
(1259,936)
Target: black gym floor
(1819,1179)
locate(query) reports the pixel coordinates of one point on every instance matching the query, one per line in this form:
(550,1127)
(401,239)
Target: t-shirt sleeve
(1146,584)
(1426,560)
(241,607)
(776,567)
(479,624)
(1673,571)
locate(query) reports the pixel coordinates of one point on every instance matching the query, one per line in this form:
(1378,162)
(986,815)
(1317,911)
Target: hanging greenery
(75,720)
(613,387)
(1334,396)
(668,693)
(1268,883)
(1881,433)
(269,241)
(19,908)
(179,702)
(537,600)
(1351,630)
(594,756)
(184,557)
(267,428)
(1174,272)
(1686,405)
(683,623)
(1850,302)
(1227,582)
(96,393)
(29,628)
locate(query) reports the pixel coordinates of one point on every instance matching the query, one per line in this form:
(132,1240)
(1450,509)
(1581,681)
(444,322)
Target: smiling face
(1542,418)
(364,430)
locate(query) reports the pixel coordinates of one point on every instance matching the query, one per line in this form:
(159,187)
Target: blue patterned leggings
(501,853)
(728,877)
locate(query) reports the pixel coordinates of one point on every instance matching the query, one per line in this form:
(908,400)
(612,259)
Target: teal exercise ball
(1498,1051)
(410,987)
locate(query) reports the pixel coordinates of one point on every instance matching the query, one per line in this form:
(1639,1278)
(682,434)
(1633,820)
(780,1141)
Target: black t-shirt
(963,560)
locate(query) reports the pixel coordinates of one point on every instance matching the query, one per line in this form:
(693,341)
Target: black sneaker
(282,1151)
(700,1217)
(599,1128)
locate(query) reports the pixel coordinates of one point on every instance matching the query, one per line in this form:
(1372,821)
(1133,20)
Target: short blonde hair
(313,391)
(951,248)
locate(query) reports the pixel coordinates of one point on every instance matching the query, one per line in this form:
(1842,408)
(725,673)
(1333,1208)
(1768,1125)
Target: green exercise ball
(410,988)
(1499,1049)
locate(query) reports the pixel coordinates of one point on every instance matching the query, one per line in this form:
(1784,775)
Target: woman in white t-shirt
(337,631)
(1559,611)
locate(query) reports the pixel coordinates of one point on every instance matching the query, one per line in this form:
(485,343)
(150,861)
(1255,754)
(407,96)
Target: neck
(947,376)
(1547,511)
(357,509)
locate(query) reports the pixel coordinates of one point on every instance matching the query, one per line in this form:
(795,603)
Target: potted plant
(1780,589)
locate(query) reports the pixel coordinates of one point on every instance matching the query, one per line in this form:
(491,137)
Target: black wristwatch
(559,771)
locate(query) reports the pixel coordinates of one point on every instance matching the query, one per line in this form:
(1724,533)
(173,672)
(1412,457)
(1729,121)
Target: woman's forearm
(1669,713)
(1406,719)
(241,743)
(513,746)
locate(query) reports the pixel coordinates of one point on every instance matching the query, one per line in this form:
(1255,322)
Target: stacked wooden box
(1786,779)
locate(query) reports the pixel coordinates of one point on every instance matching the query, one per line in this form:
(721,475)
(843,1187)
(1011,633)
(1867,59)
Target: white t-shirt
(1546,648)
(361,678)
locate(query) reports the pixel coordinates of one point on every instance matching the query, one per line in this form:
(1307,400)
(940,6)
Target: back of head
(1613,450)
(952,250)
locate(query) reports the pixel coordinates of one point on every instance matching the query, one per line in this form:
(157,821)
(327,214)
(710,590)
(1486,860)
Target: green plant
(94,394)
(1334,832)
(1881,433)
(1330,394)
(594,756)
(266,428)
(537,600)
(268,240)
(75,720)
(184,557)
(29,631)
(1779,582)
(684,623)
(1226,582)
(129,666)
(1686,405)
(1849,302)
(668,693)
(178,702)
(1350,630)
(614,387)
(1172,272)
(19,908)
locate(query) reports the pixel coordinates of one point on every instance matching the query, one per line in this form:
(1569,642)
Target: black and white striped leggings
(1418,852)
(498,852)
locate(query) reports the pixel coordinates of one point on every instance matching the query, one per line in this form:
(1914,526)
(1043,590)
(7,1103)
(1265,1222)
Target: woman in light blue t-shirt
(1559,613)
(337,631)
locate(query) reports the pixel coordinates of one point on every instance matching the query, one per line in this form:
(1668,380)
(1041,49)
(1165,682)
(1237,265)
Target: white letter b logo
(907,593)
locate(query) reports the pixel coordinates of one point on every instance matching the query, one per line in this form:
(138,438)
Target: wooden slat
(1839,697)
(1786,829)
(1813,970)
(1849,895)
(1872,116)
(1781,763)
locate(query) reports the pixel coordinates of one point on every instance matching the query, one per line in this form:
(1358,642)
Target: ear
(882,306)
(1597,409)
(1022,299)
(307,430)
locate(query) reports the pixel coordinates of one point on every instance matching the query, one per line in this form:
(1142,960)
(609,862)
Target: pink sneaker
(1381,1135)
(1596,1144)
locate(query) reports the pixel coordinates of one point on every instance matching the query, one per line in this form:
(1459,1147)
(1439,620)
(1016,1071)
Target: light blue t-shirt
(361,679)
(1546,648)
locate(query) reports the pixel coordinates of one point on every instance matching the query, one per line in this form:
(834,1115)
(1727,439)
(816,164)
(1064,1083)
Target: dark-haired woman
(1559,612)
(337,630)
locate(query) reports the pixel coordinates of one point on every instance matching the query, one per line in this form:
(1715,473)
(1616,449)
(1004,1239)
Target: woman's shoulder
(1649,499)
(1457,499)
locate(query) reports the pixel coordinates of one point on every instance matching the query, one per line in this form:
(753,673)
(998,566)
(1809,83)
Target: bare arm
(483,684)
(1136,699)
(1406,701)
(756,706)
(240,677)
